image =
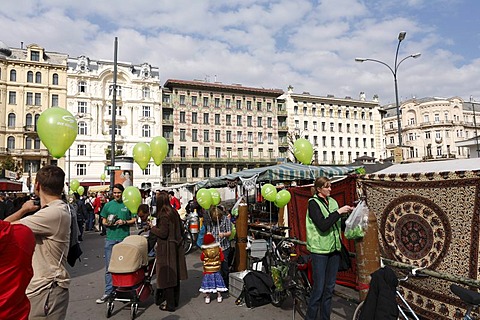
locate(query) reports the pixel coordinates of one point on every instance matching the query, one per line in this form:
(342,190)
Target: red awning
(8,185)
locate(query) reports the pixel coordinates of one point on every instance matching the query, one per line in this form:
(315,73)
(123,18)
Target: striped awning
(280,172)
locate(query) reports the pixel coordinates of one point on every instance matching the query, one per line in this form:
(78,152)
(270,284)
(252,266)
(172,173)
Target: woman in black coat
(171,264)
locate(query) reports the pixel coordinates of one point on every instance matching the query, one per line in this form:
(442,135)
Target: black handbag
(345,262)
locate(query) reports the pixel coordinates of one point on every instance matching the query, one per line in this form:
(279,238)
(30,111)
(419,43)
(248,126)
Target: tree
(118,152)
(8,163)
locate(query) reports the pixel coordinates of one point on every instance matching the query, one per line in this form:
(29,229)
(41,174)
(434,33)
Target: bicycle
(405,310)
(290,275)
(469,297)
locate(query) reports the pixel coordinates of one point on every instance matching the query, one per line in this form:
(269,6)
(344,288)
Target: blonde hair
(320,182)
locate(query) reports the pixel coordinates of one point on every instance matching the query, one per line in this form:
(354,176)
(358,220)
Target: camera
(36,201)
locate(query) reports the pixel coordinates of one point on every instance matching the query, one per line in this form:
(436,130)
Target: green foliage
(8,163)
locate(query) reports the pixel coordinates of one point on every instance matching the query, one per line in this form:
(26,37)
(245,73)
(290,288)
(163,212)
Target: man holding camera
(117,220)
(48,289)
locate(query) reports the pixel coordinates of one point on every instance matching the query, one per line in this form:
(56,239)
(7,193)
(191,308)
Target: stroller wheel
(109,309)
(133,310)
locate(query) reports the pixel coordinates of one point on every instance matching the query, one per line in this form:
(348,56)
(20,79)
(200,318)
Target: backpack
(74,250)
(257,289)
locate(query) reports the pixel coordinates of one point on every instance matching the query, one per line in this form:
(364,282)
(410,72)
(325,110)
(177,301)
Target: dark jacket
(171,264)
(380,303)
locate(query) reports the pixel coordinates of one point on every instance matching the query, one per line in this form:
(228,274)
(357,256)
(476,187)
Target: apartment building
(340,129)
(431,128)
(90,99)
(215,129)
(32,80)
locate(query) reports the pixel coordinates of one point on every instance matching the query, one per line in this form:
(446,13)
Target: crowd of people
(41,242)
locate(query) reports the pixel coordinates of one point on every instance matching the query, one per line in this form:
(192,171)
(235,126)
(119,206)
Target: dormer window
(145,70)
(34,55)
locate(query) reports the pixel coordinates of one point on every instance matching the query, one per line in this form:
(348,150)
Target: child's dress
(212,257)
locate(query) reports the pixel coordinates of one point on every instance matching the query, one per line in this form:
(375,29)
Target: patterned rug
(430,220)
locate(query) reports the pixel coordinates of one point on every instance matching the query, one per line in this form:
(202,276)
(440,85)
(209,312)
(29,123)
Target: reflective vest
(323,242)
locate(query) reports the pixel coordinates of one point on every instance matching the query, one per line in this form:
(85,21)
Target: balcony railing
(217,160)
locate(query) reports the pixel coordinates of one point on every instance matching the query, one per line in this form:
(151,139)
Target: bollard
(367,255)
(242,230)
(281,213)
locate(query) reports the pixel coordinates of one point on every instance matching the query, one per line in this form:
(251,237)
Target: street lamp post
(475,124)
(394,71)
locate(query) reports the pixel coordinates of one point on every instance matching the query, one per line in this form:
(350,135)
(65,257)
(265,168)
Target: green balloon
(269,192)
(303,150)
(103,177)
(159,147)
(283,197)
(204,198)
(57,129)
(74,184)
(142,154)
(80,190)
(216,199)
(132,198)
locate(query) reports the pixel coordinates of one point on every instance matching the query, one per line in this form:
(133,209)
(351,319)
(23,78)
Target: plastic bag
(356,223)
(235,206)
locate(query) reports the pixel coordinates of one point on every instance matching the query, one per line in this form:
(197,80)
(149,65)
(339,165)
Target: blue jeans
(325,268)
(108,253)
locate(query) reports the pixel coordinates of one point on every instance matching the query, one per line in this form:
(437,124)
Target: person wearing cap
(212,257)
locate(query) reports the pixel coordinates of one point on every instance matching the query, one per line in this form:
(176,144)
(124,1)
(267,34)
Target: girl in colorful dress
(212,257)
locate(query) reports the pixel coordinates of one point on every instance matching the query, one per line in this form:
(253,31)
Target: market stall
(428,215)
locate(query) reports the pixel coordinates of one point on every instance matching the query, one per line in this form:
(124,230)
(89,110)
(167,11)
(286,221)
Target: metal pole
(475,125)
(114,115)
(399,123)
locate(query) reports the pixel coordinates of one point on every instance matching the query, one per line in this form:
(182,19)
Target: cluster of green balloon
(280,199)
(204,198)
(303,150)
(74,185)
(159,148)
(57,129)
(132,198)
(142,154)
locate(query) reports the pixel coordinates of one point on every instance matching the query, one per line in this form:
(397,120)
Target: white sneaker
(219,299)
(207,300)
(103,299)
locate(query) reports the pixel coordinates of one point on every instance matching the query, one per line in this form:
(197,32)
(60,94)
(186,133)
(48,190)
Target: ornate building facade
(215,129)
(340,129)
(31,80)
(431,128)
(90,100)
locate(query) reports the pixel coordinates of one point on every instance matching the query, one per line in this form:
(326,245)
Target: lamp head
(416,55)
(402,35)
(360,59)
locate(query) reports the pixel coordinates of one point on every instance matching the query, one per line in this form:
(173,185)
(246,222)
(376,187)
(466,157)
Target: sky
(310,45)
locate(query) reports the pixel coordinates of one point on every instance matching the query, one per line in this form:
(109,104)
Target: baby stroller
(132,271)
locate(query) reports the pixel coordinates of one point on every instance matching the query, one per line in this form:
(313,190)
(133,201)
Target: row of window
(306,126)
(228,103)
(228,119)
(29,120)
(31,78)
(227,136)
(331,113)
(32,99)
(29,143)
(82,88)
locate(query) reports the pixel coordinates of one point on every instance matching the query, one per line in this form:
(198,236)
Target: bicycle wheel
(301,297)
(301,292)
(187,241)
(278,297)
(358,311)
